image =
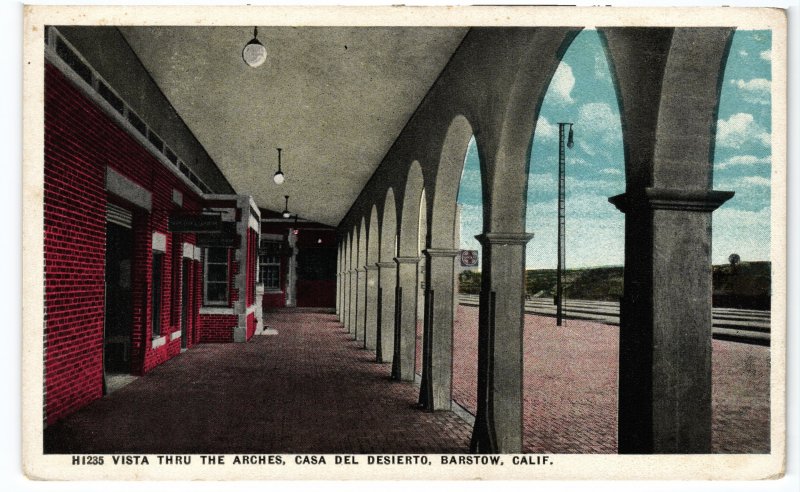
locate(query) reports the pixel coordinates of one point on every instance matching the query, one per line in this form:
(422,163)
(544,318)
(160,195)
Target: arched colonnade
(668,85)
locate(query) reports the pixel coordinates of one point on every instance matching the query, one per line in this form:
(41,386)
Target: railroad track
(741,325)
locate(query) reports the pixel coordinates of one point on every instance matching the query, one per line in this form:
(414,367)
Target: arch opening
(581,235)
(742,162)
(469,222)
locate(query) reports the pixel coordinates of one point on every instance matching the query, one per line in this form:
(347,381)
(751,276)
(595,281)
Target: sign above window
(195,223)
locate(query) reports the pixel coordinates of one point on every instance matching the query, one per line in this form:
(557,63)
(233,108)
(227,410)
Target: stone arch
(387,280)
(373,238)
(687,119)
(506,153)
(371,282)
(348,285)
(422,281)
(638,94)
(362,243)
(388,246)
(409,218)
(448,178)
(361,261)
(668,85)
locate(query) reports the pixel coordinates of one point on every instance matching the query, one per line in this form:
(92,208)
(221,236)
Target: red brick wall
(80,141)
(216,328)
(74,256)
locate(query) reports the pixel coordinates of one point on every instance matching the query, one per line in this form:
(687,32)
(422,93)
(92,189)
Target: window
(269,264)
(216,273)
(158,263)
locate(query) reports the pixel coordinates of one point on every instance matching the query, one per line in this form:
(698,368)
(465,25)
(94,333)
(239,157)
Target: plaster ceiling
(333,98)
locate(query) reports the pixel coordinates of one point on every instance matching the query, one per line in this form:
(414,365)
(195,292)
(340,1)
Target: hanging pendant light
(279,177)
(286,213)
(254,53)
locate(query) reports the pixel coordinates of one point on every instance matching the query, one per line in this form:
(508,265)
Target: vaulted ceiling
(333,98)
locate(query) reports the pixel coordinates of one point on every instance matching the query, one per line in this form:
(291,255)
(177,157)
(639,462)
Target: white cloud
(612,171)
(545,130)
(744,160)
(562,83)
(597,128)
(471,225)
(756,181)
(753,186)
(740,231)
(756,91)
(766,55)
(542,180)
(743,53)
(595,233)
(739,130)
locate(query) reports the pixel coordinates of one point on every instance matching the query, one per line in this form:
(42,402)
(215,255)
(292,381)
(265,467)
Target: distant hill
(748,286)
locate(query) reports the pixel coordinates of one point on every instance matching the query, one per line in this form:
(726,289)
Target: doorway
(118,305)
(185,297)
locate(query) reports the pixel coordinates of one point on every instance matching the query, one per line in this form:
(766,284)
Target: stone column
(498,423)
(338,295)
(339,283)
(351,310)
(361,300)
(665,321)
(387,281)
(371,315)
(405,318)
(437,340)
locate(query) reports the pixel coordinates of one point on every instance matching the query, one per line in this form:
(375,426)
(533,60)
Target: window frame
(275,264)
(156,293)
(227,263)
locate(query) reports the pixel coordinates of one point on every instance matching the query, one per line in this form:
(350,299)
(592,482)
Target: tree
(734,260)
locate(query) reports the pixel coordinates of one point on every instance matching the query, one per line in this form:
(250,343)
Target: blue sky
(582,92)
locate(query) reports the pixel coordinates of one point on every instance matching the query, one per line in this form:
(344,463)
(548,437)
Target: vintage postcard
(404,242)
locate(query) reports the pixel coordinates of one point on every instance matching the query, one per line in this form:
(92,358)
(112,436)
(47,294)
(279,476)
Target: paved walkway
(570,386)
(309,389)
(312,389)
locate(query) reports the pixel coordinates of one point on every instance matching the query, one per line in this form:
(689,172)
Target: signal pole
(561,221)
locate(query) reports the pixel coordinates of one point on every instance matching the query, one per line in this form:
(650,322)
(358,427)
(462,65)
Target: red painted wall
(80,141)
(251,325)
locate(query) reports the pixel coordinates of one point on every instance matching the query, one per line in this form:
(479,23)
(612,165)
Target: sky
(581,92)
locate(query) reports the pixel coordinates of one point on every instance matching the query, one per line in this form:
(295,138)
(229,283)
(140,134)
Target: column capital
(492,238)
(361,270)
(406,259)
(440,252)
(370,268)
(352,271)
(672,199)
(385,264)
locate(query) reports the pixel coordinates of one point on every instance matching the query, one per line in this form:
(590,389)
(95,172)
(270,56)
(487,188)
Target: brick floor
(570,386)
(309,389)
(312,389)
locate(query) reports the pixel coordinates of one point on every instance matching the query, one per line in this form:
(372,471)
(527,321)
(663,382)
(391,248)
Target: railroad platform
(312,389)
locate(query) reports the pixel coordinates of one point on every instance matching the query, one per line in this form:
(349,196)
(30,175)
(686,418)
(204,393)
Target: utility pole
(561,221)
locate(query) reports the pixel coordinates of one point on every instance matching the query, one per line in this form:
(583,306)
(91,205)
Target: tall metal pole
(561,222)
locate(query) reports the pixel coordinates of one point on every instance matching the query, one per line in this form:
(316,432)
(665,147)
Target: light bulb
(254,53)
(278,178)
